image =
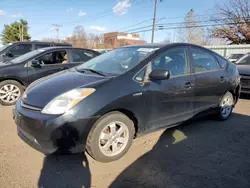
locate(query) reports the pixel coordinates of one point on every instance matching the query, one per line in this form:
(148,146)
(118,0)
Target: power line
(139,23)
(197,26)
(168,18)
(175,23)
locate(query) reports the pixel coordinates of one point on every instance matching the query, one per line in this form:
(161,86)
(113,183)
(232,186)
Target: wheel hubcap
(113,139)
(9,93)
(226,106)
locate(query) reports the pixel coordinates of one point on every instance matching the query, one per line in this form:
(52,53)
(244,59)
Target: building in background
(118,39)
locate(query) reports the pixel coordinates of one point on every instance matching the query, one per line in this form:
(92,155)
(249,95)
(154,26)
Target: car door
(16,51)
(170,101)
(49,63)
(211,79)
(79,56)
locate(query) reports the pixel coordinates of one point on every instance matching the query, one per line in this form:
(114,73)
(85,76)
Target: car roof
(161,45)
(40,42)
(147,45)
(63,47)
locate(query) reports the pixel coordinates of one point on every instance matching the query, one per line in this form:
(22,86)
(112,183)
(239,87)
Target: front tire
(226,106)
(111,137)
(10,91)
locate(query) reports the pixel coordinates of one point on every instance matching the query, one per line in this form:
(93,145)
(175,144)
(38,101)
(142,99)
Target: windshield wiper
(93,71)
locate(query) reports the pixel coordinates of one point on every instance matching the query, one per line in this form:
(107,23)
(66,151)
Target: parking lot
(200,153)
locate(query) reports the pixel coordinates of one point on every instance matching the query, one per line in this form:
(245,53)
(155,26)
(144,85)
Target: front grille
(245,77)
(30,107)
(245,80)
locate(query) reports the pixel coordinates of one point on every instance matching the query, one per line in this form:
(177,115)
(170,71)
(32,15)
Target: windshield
(245,59)
(4,47)
(235,56)
(26,56)
(117,61)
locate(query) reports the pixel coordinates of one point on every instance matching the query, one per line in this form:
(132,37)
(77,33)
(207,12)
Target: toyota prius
(103,104)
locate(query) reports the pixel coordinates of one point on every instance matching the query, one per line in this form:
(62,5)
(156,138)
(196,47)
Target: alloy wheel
(9,93)
(226,106)
(113,139)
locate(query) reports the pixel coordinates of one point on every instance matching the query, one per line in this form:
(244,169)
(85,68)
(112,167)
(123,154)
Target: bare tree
(94,40)
(190,31)
(235,17)
(79,38)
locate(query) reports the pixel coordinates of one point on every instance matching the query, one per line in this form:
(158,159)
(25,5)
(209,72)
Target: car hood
(42,91)
(244,69)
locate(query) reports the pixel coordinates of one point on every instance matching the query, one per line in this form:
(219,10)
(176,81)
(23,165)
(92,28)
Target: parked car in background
(234,57)
(14,50)
(17,74)
(243,66)
(104,103)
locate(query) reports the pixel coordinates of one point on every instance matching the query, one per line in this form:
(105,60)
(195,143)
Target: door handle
(222,79)
(188,85)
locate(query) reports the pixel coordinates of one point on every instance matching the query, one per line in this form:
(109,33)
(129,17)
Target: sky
(99,16)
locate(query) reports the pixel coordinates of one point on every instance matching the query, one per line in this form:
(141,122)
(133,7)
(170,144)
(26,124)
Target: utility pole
(57,26)
(22,31)
(153,26)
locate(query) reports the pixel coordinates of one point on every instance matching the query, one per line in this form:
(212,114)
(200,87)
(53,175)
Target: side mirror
(35,63)
(159,74)
(9,54)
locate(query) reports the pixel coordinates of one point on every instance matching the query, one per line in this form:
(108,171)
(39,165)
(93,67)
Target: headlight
(66,101)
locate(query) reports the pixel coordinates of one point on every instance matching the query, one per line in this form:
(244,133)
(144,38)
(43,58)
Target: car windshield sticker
(147,49)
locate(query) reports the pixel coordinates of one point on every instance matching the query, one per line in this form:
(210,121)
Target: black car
(104,103)
(17,74)
(243,66)
(14,50)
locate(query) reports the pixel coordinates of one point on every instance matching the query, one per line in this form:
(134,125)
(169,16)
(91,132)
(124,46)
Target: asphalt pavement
(200,153)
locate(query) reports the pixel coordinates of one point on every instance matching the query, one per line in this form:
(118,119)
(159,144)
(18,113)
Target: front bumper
(245,84)
(49,133)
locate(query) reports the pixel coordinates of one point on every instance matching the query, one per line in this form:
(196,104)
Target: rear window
(37,46)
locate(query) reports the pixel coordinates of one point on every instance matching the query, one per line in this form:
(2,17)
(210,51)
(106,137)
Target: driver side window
(58,57)
(173,60)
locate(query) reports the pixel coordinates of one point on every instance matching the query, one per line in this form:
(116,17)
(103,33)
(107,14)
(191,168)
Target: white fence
(226,50)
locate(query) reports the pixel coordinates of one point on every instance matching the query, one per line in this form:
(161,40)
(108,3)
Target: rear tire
(110,137)
(10,91)
(226,106)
